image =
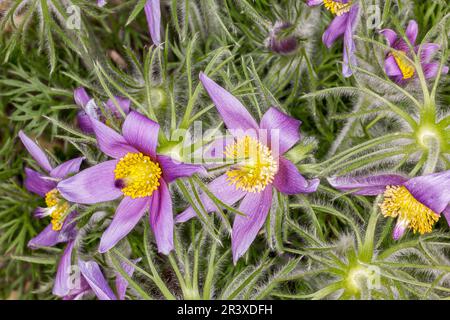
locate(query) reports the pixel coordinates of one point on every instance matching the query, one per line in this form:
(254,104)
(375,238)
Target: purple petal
(141,133)
(121,282)
(63,284)
(35,152)
(161,218)
(78,293)
(93,185)
(349,44)
(335,30)
(391,67)
(289,181)
(233,113)
(173,169)
(127,215)
(94,276)
(84,122)
(427,50)
(312,3)
(432,190)
(101,3)
(446,214)
(222,190)
(81,97)
(390,35)
(111,142)
(411,31)
(399,229)
(430,70)
(282,129)
(153,14)
(123,103)
(38,183)
(245,228)
(67,168)
(367,186)
(40,213)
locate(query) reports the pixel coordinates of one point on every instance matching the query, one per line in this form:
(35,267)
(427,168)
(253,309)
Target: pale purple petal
(123,103)
(446,214)
(92,185)
(289,181)
(391,67)
(101,3)
(427,50)
(335,30)
(233,113)
(153,13)
(141,133)
(81,97)
(111,142)
(222,190)
(67,168)
(411,31)
(255,206)
(84,122)
(94,276)
(35,152)
(432,190)
(349,44)
(390,35)
(367,186)
(173,169)
(430,70)
(282,129)
(40,212)
(80,292)
(121,282)
(161,218)
(312,3)
(38,183)
(399,229)
(127,215)
(63,284)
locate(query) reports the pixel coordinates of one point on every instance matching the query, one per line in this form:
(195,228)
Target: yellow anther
(255,166)
(336,7)
(57,208)
(405,66)
(140,175)
(399,202)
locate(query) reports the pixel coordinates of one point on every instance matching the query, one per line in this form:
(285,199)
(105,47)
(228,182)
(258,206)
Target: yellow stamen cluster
(58,208)
(404,65)
(399,202)
(336,7)
(139,174)
(255,167)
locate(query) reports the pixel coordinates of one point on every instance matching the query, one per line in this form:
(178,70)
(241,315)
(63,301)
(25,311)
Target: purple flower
(257,151)
(136,172)
(344,25)
(281,45)
(91,110)
(152,10)
(91,279)
(101,3)
(396,64)
(416,202)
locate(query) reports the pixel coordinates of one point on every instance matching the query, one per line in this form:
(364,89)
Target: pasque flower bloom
(396,64)
(416,202)
(91,110)
(152,10)
(136,172)
(279,44)
(259,165)
(344,24)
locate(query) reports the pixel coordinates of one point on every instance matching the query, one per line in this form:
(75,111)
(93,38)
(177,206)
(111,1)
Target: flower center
(57,208)
(337,7)
(399,202)
(405,66)
(255,166)
(137,175)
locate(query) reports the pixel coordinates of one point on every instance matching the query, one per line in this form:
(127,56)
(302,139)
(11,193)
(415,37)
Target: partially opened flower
(91,110)
(278,43)
(417,203)
(153,13)
(396,63)
(137,173)
(258,165)
(344,24)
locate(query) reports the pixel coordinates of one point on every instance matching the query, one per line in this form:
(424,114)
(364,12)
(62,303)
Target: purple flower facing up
(282,45)
(137,173)
(91,110)
(396,64)
(257,166)
(416,202)
(343,24)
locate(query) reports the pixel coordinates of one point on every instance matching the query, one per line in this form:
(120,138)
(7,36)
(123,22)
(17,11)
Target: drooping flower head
(283,45)
(91,110)
(344,24)
(396,63)
(417,203)
(137,173)
(257,165)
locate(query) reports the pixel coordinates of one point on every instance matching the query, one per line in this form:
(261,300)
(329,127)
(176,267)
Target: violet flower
(396,64)
(281,45)
(343,24)
(152,10)
(416,202)
(91,110)
(262,168)
(136,172)
(101,3)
